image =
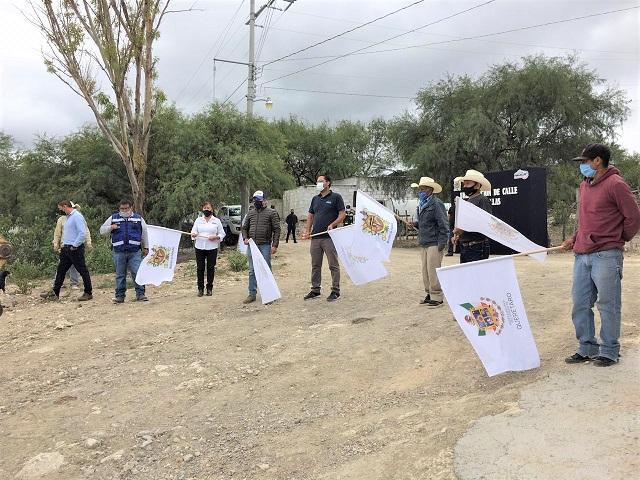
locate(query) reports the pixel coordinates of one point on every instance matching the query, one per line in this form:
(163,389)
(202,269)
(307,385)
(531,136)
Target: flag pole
(327,231)
(408,224)
(502,257)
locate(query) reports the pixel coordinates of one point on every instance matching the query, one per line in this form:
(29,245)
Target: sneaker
(141,298)
(448,255)
(200,292)
(601,361)
(84,297)
(209,292)
(249,299)
(576,358)
(427,299)
(434,303)
(333,296)
(50,295)
(75,287)
(118,300)
(311,295)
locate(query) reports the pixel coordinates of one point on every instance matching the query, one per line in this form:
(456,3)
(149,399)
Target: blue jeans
(265,250)
(597,279)
(124,261)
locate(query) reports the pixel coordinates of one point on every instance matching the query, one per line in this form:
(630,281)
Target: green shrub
(237,261)
(99,259)
(22,275)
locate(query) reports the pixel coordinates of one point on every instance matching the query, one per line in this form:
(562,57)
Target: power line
(383,41)
(236,89)
(573,49)
(460,39)
(208,54)
(340,93)
(345,32)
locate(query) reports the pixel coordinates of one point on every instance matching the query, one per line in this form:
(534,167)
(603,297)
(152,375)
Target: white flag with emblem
(360,267)
(474,219)
(267,285)
(376,227)
(160,263)
(485,299)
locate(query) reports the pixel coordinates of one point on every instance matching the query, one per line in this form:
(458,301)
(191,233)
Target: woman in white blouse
(207,232)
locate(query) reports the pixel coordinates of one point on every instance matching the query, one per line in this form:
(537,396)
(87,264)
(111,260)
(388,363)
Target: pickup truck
(229,216)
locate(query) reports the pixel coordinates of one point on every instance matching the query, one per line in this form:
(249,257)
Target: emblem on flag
(503,230)
(374,224)
(160,256)
(487,315)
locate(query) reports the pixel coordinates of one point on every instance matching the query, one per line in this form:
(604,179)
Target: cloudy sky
(380,84)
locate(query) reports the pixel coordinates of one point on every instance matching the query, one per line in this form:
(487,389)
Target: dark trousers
(472,253)
(68,258)
(319,248)
(291,229)
(210,256)
(451,246)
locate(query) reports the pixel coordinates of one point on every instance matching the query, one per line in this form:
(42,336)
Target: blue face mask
(423,196)
(587,171)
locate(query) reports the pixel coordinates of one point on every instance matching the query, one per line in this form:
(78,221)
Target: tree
(115,40)
(536,113)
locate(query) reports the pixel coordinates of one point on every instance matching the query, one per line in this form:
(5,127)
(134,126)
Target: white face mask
(320,186)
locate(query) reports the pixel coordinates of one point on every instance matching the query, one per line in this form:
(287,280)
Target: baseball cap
(592,151)
(258,194)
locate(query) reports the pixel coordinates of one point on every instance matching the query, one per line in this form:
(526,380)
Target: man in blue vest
(129,241)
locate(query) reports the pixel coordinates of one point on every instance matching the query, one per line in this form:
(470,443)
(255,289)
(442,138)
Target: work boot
(249,299)
(118,300)
(84,297)
(141,298)
(209,291)
(200,292)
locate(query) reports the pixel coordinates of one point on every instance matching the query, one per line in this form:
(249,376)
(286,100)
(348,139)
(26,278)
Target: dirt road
(373,386)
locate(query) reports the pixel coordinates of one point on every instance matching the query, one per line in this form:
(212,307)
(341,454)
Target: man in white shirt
(207,232)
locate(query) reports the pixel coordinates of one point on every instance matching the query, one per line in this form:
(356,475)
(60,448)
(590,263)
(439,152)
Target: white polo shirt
(205,227)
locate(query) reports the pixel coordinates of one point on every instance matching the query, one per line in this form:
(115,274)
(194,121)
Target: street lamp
(268,103)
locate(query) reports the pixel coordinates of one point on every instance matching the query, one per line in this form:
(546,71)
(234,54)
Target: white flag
(485,299)
(360,268)
(376,227)
(159,264)
(267,285)
(474,219)
(242,248)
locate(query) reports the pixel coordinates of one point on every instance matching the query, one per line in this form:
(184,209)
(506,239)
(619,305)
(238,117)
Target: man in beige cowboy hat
(473,245)
(433,233)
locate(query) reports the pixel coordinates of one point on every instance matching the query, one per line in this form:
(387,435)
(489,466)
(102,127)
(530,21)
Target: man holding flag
(473,245)
(262,225)
(608,216)
(325,213)
(433,233)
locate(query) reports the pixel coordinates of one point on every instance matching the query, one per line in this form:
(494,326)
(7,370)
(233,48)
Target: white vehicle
(229,216)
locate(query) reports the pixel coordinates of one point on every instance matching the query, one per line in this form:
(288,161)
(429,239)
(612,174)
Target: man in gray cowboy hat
(433,233)
(473,245)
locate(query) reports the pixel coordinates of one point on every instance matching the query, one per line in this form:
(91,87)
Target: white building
(299,198)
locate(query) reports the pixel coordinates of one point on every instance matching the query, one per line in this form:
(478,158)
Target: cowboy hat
(475,176)
(428,182)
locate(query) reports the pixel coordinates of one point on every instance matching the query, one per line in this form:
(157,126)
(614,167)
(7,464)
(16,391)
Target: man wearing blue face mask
(433,233)
(608,216)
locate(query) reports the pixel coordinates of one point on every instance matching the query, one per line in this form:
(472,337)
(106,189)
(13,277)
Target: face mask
(469,190)
(207,213)
(320,186)
(126,214)
(423,196)
(587,171)
(258,204)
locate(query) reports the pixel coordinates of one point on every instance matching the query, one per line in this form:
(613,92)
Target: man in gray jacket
(262,224)
(433,233)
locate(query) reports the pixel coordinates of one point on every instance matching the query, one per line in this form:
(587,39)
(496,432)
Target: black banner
(519,197)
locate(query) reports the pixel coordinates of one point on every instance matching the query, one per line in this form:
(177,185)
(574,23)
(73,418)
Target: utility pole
(251,89)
